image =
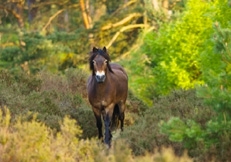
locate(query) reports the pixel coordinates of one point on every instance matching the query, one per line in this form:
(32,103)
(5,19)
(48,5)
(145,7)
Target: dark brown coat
(107,89)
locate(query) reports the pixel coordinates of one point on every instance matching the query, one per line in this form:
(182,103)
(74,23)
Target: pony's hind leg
(115,117)
(122,115)
(121,121)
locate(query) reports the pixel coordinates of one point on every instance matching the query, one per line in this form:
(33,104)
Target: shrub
(145,134)
(34,141)
(51,96)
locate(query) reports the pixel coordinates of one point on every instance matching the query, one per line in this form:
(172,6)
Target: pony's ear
(95,49)
(105,49)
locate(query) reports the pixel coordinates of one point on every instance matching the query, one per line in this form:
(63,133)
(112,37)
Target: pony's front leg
(107,122)
(108,135)
(97,114)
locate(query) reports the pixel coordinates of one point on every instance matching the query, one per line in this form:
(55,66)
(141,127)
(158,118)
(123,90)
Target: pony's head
(99,63)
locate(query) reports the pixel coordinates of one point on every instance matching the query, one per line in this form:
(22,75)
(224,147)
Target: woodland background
(178,57)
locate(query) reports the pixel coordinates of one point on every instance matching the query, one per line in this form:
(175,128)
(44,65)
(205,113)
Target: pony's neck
(108,76)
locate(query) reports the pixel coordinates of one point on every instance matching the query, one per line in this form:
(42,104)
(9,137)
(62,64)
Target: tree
(69,28)
(174,49)
(215,63)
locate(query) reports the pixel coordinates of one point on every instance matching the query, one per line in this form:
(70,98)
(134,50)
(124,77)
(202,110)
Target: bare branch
(42,4)
(124,6)
(15,14)
(123,29)
(51,18)
(128,18)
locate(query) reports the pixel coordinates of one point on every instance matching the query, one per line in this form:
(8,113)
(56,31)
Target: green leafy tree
(216,73)
(174,50)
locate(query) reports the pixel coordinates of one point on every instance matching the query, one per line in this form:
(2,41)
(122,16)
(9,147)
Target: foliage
(215,135)
(48,40)
(52,35)
(33,141)
(45,52)
(140,77)
(217,91)
(174,49)
(50,96)
(181,104)
(118,16)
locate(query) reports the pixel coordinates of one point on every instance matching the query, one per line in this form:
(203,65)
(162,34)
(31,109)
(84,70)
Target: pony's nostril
(100,78)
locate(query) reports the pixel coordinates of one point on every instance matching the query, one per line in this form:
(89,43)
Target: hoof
(108,146)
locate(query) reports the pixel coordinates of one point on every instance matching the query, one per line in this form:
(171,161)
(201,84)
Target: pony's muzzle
(100,79)
(100,76)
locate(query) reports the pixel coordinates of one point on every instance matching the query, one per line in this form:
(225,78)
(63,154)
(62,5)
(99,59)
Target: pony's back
(118,67)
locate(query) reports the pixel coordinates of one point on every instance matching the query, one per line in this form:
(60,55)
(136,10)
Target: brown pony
(107,92)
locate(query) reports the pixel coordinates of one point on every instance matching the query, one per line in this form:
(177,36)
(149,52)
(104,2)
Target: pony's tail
(115,117)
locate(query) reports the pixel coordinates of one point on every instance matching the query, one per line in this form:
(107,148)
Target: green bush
(140,77)
(182,104)
(216,93)
(41,52)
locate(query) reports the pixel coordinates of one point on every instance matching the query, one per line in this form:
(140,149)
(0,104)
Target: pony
(107,89)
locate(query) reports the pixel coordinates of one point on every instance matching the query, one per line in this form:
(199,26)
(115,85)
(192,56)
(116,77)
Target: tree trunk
(87,19)
(31,11)
(156,6)
(165,5)
(85,15)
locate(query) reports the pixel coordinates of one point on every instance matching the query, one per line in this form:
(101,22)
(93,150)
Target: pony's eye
(93,62)
(105,61)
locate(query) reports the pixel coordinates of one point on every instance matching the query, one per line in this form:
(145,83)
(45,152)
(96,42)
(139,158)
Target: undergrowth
(182,104)
(53,96)
(32,141)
